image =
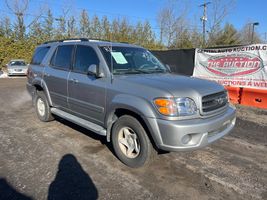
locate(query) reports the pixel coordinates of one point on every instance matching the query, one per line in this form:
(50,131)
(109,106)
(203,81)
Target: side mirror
(93,70)
(168,67)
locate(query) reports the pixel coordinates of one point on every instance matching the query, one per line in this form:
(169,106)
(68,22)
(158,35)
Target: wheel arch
(40,85)
(121,111)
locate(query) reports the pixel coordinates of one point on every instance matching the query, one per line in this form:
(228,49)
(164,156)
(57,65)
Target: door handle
(74,80)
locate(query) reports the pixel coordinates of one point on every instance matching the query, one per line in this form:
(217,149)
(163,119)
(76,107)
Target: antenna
(204,20)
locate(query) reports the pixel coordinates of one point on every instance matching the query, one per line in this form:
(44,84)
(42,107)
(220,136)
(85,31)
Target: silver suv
(126,94)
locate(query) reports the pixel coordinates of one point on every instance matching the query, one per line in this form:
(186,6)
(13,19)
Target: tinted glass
(84,57)
(62,57)
(39,55)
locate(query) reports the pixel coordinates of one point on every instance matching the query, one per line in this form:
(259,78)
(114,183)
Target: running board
(81,122)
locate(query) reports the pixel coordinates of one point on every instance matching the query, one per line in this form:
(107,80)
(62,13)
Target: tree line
(16,40)
(175,29)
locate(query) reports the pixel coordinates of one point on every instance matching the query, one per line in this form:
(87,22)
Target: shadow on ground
(7,192)
(71,181)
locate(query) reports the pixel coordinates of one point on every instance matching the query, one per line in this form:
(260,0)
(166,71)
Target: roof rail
(97,39)
(51,41)
(67,40)
(76,40)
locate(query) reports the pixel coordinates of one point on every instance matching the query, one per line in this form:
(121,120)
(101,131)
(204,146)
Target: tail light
(29,72)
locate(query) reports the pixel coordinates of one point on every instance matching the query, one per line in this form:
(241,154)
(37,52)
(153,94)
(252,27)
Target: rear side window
(62,57)
(84,57)
(39,55)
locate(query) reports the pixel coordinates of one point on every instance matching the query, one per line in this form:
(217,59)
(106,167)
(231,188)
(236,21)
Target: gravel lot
(59,160)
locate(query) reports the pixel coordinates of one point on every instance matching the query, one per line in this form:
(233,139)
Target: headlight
(186,106)
(175,106)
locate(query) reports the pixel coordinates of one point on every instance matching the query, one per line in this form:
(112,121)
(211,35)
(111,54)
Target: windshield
(131,60)
(17,63)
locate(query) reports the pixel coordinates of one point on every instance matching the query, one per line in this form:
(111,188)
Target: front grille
(213,102)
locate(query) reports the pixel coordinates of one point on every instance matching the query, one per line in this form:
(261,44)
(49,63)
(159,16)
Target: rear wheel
(42,107)
(131,143)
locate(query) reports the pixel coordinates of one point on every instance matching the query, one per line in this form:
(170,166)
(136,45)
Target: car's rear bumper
(198,132)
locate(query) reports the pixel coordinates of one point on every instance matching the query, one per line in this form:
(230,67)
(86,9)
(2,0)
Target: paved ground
(58,160)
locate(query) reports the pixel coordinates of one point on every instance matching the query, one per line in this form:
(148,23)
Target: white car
(17,67)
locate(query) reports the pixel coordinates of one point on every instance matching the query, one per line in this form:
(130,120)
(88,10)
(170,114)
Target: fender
(39,81)
(137,105)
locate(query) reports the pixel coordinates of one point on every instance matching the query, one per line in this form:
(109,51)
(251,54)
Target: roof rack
(96,39)
(75,40)
(68,40)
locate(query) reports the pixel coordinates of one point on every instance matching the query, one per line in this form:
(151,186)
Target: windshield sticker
(119,58)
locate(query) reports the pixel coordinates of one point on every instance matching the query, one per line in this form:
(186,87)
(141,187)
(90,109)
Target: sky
(244,11)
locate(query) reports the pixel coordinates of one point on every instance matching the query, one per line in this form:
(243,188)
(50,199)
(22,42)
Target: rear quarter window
(39,54)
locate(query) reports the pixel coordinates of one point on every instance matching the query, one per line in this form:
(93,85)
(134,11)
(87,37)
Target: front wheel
(131,143)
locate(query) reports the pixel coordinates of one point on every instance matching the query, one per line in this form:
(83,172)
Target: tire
(42,107)
(131,143)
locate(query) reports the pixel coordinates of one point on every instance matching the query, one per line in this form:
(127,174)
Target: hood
(176,85)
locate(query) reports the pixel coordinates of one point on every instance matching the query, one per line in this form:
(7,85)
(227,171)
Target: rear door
(56,75)
(86,92)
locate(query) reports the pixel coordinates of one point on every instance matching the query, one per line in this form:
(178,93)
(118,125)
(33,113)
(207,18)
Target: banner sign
(241,66)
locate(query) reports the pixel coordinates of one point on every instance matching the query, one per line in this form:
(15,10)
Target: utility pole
(204,20)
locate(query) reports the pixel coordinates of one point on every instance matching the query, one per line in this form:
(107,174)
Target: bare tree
(171,22)
(19,8)
(217,12)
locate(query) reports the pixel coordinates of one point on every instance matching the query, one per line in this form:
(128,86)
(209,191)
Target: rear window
(39,55)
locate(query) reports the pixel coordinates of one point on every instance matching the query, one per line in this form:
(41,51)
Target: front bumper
(193,134)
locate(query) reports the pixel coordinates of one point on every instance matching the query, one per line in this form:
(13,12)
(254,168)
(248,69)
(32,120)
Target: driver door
(86,92)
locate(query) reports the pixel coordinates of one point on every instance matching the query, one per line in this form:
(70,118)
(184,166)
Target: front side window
(131,60)
(84,57)
(62,57)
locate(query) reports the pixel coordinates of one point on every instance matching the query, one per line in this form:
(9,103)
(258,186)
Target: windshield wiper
(132,71)
(139,71)
(150,71)
(142,71)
